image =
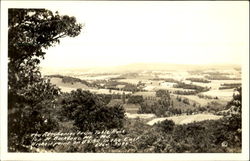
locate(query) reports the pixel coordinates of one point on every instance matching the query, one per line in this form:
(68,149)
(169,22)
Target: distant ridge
(136,67)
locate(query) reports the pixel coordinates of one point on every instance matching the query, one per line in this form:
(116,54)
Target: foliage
(206,96)
(198,80)
(229,85)
(135,99)
(90,113)
(180,92)
(191,86)
(131,88)
(220,77)
(166,126)
(158,107)
(186,101)
(22,122)
(162,93)
(30,112)
(215,106)
(236,101)
(199,137)
(31,31)
(106,98)
(30,97)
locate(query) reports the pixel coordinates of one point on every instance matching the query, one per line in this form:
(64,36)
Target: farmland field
(225,94)
(185,119)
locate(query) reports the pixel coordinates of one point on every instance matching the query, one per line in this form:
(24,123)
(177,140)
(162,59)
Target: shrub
(166,126)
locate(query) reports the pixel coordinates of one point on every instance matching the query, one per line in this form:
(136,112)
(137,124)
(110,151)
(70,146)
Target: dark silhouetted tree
(30,31)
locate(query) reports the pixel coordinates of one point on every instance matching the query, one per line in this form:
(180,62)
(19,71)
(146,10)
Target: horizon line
(145,63)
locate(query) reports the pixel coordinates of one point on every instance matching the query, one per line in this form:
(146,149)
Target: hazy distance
(139,67)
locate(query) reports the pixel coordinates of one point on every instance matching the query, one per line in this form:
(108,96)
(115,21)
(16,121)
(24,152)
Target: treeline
(220,77)
(184,92)
(207,96)
(191,86)
(229,85)
(196,89)
(117,78)
(113,85)
(201,80)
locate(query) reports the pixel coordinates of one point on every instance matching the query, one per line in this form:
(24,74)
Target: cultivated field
(185,119)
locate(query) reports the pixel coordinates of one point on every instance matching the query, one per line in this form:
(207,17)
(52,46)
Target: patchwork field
(225,94)
(185,119)
(190,91)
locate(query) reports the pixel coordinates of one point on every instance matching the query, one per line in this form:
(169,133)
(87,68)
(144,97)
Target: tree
(235,103)
(135,99)
(166,126)
(162,93)
(90,113)
(30,97)
(31,31)
(123,98)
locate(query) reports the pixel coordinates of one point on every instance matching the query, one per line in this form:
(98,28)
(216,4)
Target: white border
(107,156)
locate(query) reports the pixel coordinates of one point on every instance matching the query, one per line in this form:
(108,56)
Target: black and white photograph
(130,77)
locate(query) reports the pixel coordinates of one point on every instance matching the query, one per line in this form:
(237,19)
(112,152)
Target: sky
(119,33)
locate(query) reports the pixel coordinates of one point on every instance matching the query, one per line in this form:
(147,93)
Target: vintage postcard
(129,80)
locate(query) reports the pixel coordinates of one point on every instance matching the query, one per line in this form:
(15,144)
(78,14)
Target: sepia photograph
(91,77)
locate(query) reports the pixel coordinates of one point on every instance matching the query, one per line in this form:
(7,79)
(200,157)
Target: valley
(193,91)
